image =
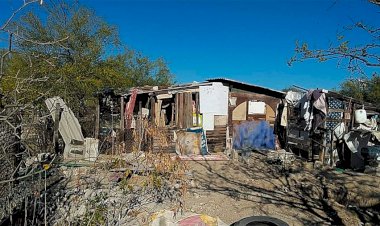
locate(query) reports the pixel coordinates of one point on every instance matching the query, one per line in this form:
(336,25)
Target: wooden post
(172,116)
(230,112)
(197,108)
(56,126)
(97,119)
(185,109)
(176,109)
(152,109)
(353,115)
(140,118)
(323,153)
(152,120)
(122,125)
(122,122)
(180,110)
(287,129)
(331,148)
(189,110)
(140,126)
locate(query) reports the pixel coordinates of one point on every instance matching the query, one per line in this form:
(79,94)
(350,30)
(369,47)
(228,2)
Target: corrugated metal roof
(236,84)
(142,90)
(247,86)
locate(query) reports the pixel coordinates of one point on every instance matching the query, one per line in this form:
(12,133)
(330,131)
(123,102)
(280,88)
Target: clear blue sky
(244,40)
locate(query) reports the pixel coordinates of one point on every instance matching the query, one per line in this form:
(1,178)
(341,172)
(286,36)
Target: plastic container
(360,116)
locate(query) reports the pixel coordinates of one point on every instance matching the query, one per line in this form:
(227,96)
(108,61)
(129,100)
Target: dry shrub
(149,175)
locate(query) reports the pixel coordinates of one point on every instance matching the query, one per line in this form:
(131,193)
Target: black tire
(260,221)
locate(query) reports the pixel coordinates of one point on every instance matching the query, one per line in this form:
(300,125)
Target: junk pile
(169,218)
(116,196)
(363,142)
(280,157)
(312,105)
(76,146)
(339,130)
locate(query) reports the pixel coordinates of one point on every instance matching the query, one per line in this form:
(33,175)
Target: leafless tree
(357,58)
(22,126)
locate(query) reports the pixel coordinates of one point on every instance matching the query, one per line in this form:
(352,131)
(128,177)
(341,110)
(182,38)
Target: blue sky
(244,40)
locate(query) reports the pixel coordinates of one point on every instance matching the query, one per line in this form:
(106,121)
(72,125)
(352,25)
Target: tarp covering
(253,135)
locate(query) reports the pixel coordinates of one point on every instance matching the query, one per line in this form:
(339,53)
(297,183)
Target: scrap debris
(146,139)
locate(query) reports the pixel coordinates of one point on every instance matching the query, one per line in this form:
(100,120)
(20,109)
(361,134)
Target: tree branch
(39,42)
(26,3)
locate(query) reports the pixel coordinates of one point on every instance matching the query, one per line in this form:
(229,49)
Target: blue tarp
(253,135)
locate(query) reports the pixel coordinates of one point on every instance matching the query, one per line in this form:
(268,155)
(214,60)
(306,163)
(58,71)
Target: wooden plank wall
(184,110)
(180,110)
(216,139)
(183,116)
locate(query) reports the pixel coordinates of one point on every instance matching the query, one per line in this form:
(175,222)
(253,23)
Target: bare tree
(21,125)
(357,58)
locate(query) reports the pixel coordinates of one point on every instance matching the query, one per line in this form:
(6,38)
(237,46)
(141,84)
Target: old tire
(260,221)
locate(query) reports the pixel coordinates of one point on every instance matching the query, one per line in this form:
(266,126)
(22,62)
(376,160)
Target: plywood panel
(240,112)
(270,115)
(208,121)
(220,120)
(214,99)
(256,107)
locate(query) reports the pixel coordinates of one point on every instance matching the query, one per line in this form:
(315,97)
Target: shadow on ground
(298,196)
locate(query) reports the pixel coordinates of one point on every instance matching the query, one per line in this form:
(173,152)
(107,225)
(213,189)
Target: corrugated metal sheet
(69,126)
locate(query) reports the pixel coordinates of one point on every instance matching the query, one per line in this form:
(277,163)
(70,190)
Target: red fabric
(128,114)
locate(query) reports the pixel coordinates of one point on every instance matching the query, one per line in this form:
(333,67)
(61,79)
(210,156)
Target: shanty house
(204,117)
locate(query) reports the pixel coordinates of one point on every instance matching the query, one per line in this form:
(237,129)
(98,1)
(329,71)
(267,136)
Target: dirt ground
(233,190)
(228,190)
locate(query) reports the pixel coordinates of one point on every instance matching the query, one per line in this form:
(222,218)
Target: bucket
(360,116)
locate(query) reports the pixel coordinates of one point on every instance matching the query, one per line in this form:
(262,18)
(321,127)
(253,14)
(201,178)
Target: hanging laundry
(318,119)
(306,109)
(313,109)
(319,101)
(293,98)
(284,116)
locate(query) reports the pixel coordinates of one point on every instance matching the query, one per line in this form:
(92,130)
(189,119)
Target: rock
(318,165)
(82,210)
(193,184)
(88,193)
